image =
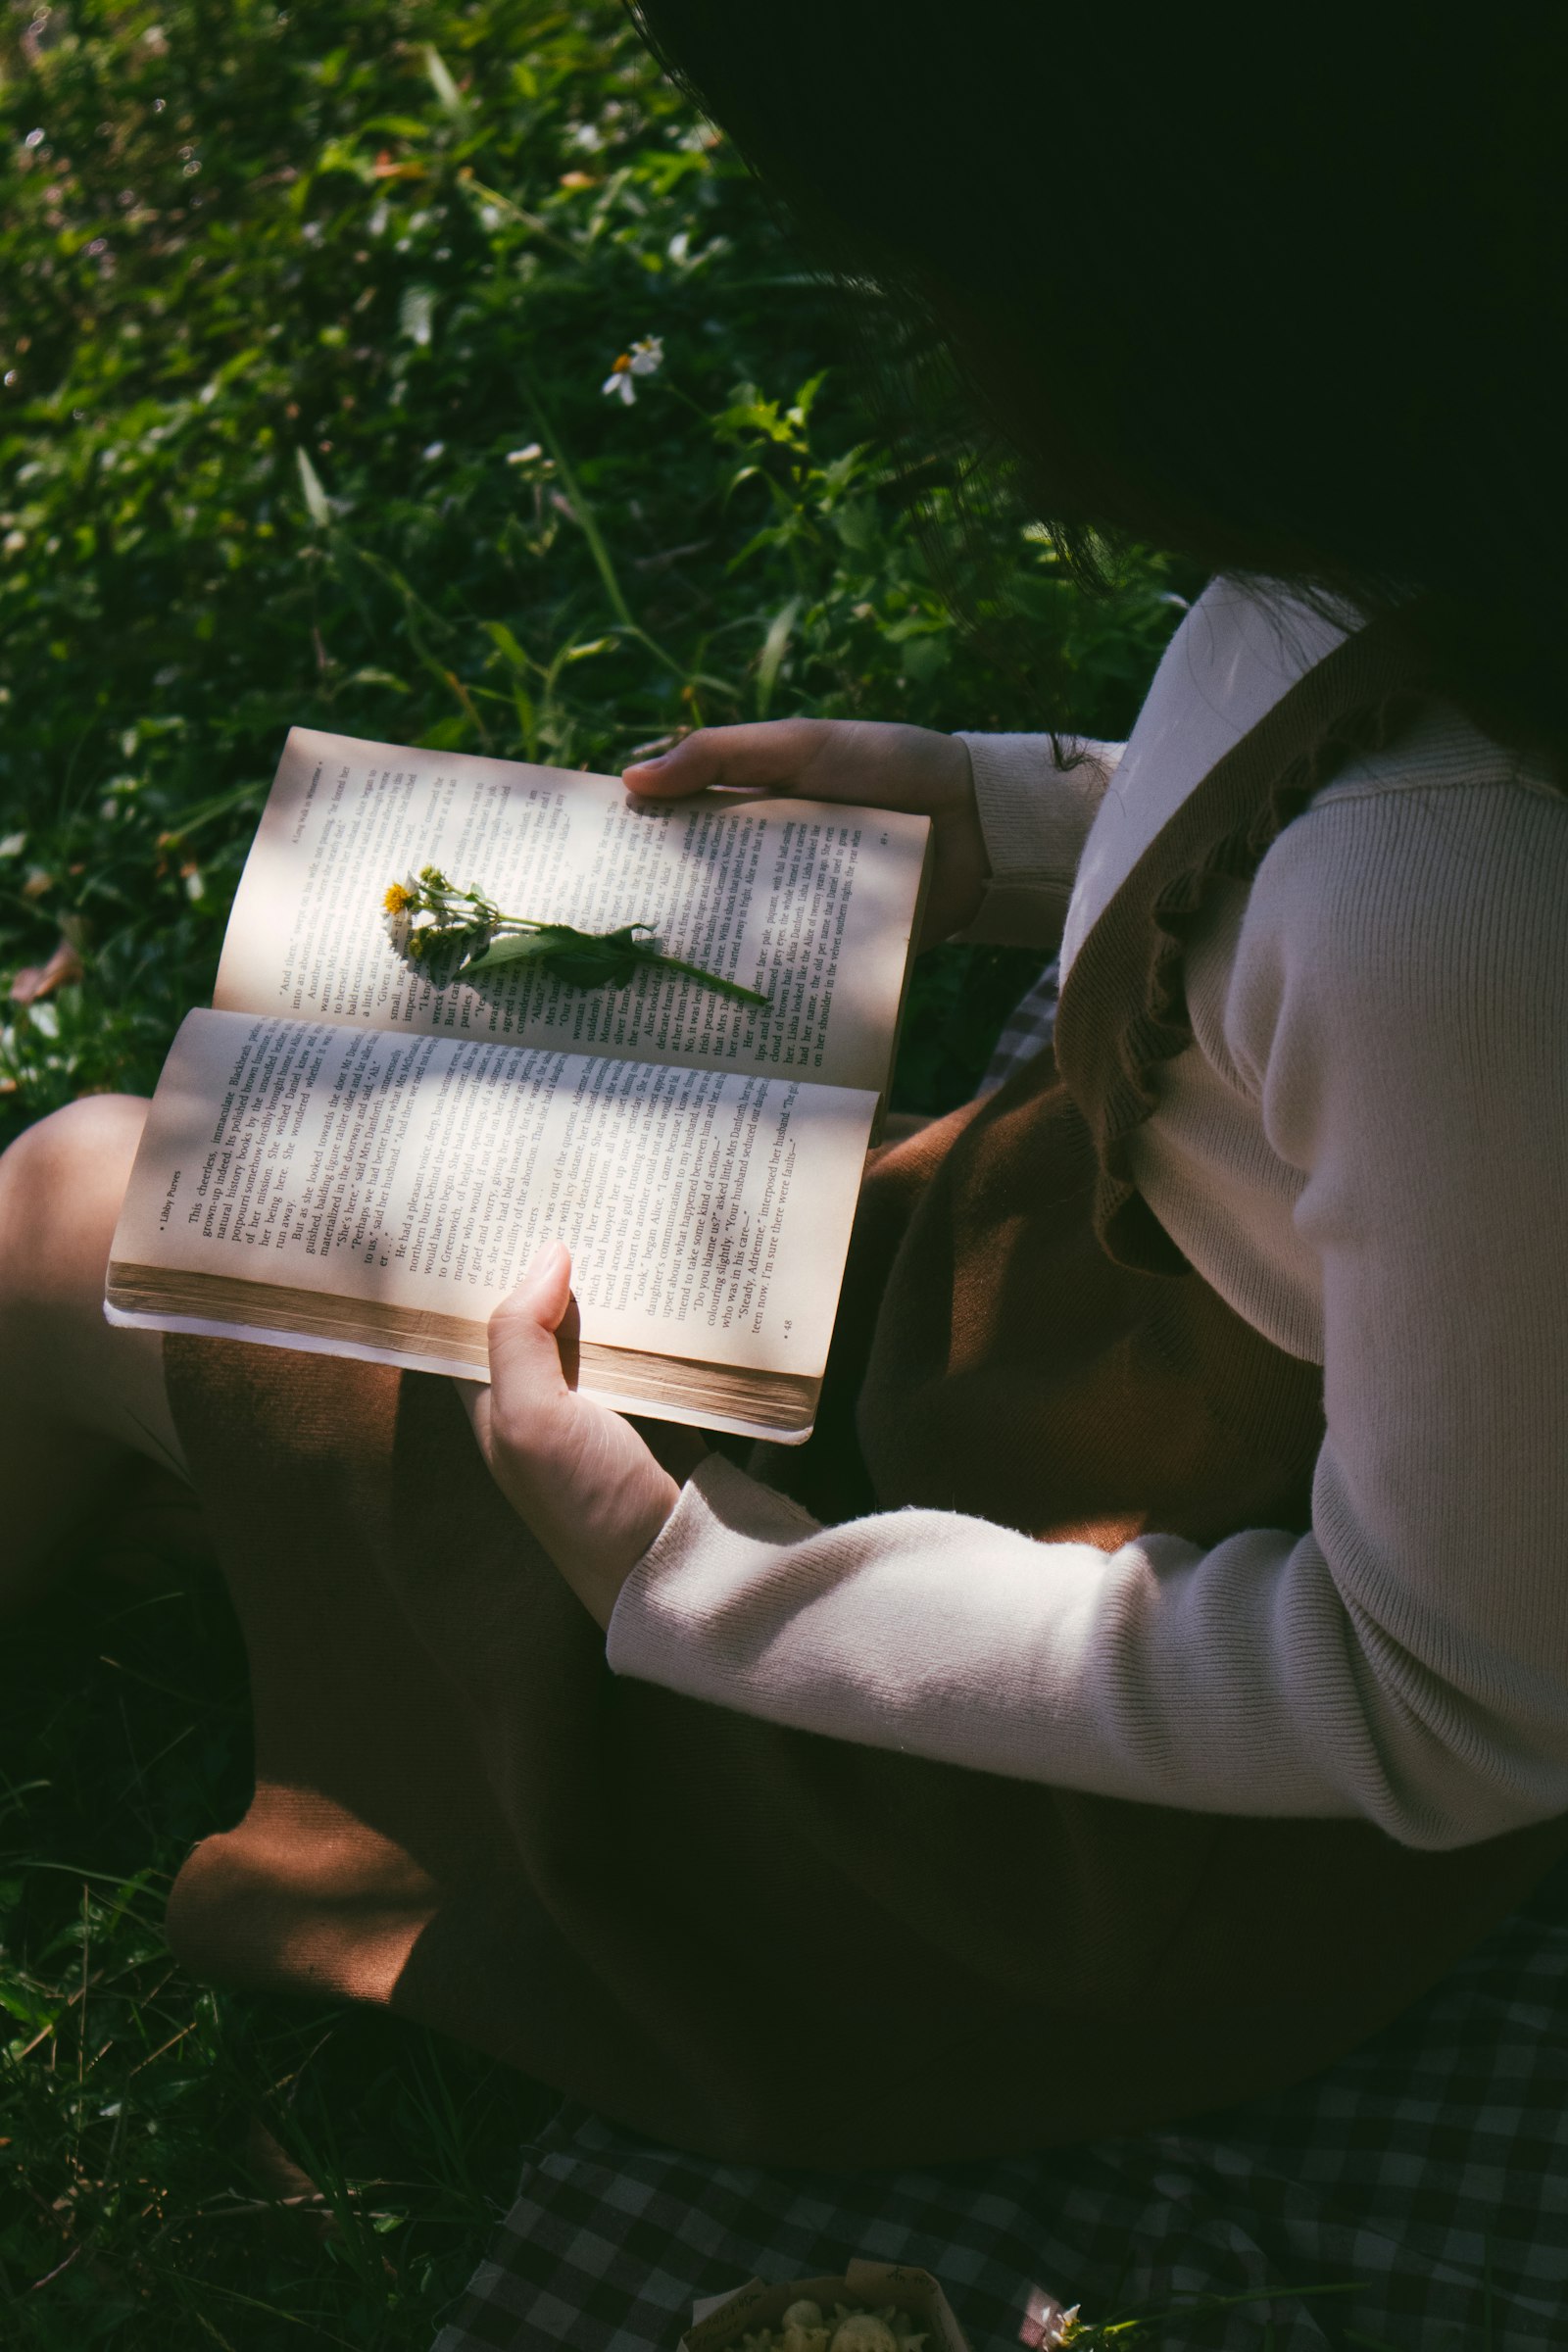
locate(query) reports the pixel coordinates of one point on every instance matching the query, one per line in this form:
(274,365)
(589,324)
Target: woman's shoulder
(1439,749)
(1442,816)
(1424,887)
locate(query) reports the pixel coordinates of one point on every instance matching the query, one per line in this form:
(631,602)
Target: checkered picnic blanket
(1412,2198)
(1427,2174)
(1028,1028)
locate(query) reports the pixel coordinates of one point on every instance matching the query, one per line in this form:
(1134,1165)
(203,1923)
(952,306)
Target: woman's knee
(61,1186)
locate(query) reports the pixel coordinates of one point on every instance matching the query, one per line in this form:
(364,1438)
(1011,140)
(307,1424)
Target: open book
(348,1154)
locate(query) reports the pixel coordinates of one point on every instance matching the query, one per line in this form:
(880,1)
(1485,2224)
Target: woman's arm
(1035,813)
(1010,818)
(1397,1008)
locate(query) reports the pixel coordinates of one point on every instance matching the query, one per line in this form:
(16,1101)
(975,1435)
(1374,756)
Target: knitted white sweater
(1364,1150)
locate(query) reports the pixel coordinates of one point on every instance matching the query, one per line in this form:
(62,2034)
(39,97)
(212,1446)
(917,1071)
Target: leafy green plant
(306,322)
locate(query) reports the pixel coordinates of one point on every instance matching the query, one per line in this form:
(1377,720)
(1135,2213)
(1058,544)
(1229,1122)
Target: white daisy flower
(617,384)
(645,358)
(398,909)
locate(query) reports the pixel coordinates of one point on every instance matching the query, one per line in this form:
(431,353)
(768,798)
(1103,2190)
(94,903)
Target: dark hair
(1279,292)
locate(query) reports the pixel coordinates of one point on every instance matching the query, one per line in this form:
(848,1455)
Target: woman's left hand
(582,1476)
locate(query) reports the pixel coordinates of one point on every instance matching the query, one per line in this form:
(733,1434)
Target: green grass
(303,325)
(140,2180)
(304,318)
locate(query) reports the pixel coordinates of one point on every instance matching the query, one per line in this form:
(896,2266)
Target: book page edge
(303,1343)
(911,949)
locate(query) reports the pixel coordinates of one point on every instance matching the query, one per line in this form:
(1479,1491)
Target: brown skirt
(754,1942)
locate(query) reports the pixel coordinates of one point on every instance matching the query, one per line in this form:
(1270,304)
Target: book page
(707,1212)
(812,906)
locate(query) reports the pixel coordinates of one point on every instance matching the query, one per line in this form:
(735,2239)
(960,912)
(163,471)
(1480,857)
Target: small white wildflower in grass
(644,359)
(525,456)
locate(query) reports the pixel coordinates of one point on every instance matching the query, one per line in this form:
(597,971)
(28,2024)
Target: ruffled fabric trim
(1117,1091)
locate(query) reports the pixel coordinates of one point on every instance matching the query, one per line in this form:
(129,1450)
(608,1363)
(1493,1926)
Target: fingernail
(543,1267)
(641,767)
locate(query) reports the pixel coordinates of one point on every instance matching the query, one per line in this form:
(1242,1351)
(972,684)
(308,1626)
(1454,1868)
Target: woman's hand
(871,766)
(581,1476)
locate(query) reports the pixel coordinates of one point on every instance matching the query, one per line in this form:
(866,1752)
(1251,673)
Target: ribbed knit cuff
(725,1529)
(1035,816)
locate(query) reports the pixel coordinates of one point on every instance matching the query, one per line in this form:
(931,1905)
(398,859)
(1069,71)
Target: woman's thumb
(523,1344)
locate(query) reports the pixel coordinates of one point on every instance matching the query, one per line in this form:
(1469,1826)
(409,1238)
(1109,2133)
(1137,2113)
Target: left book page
(812,905)
(376,1195)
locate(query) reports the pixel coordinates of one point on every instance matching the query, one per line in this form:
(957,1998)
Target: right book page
(812,904)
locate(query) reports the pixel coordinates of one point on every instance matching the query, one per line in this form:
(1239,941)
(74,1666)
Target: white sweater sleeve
(1035,813)
(1398,1012)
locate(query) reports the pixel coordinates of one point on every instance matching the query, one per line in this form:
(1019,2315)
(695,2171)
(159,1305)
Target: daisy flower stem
(427,916)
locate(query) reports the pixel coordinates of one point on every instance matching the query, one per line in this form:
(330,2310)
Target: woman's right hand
(867,764)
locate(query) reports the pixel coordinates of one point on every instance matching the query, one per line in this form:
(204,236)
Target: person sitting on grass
(1155,1673)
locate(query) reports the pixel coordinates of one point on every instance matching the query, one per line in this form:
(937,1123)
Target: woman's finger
(474,1397)
(770,753)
